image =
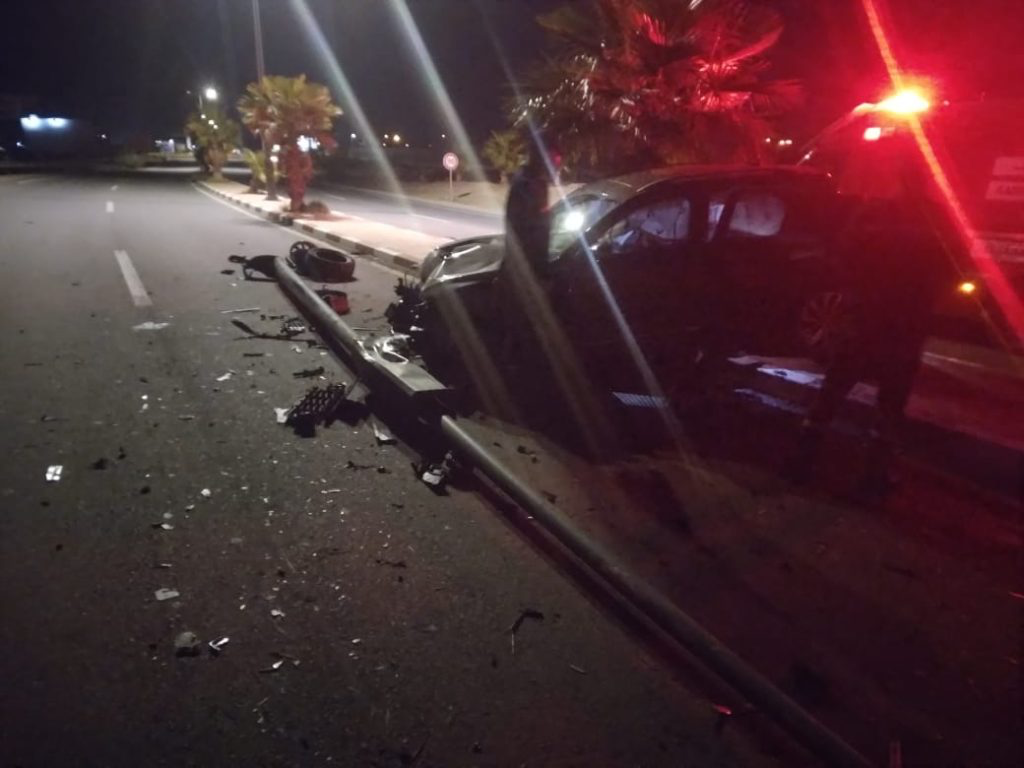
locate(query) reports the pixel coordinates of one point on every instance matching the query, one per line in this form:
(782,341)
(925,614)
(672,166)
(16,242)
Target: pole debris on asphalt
(528,613)
(186,644)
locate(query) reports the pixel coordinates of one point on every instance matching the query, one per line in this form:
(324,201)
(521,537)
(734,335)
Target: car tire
(327,265)
(824,323)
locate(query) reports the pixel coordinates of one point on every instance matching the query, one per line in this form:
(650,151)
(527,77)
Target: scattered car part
(336,300)
(166,594)
(327,265)
(299,255)
(54,472)
(186,644)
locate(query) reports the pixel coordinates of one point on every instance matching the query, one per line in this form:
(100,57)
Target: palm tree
(506,151)
(666,80)
(281,110)
(257,169)
(216,136)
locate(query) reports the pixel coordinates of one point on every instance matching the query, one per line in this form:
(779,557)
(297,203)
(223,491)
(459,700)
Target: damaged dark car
(684,265)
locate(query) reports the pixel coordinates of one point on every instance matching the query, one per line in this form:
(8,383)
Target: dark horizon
(127,64)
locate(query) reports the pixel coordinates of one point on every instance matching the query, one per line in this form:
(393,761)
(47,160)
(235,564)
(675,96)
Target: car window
(757,213)
(661,224)
(574,216)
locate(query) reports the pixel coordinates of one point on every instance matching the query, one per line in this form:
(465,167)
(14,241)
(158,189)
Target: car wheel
(825,320)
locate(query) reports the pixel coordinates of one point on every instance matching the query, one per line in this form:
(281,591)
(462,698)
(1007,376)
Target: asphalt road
(368,618)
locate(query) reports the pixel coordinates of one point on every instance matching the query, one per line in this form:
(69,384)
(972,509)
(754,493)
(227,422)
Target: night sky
(127,63)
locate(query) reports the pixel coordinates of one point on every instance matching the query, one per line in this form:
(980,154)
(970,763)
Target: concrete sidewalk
(395,247)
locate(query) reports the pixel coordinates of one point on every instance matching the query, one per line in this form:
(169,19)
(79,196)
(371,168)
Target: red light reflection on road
(998,286)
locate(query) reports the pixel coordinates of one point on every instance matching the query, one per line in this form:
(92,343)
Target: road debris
(186,417)
(309,373)
(163,526)
(206,493)
(264,264)
(216,646)
(277,613)
(382,435)
(226,376)
(578,670)
(252,333)
(100,463)
(273,667)
(166,594)
(320,405)
(327,491)
(437,475)
(240,311)
(186,644)
(336,300)
(527,613)
(293,326)
(254,354)
(149,325)
(53,473)
(282,415)
(227,271)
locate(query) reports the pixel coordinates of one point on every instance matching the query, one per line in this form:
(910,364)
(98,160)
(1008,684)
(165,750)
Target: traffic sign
(450,161)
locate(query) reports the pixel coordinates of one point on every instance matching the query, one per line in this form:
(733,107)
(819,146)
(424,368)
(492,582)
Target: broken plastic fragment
(53,473)
(149,325)
(282,415)
(217,645)
(277,613)
(225,376)
(206,493)
(383,437)
(166,594)
(186,644)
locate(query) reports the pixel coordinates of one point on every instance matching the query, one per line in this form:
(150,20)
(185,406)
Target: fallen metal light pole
(647,601)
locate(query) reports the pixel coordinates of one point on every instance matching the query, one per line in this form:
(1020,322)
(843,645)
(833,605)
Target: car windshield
(574,216)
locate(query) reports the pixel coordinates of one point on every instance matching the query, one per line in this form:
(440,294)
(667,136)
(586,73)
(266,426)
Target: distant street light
(396,139)
(210,93)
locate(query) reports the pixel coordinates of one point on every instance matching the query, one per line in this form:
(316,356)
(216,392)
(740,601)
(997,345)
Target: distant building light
(352,136)
(396,139)
(19,144)
(444,135)
(276,148)
(103,136)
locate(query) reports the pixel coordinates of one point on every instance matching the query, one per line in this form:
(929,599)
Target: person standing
(521,279)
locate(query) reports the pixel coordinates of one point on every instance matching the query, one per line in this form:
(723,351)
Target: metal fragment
(166,594)
(53,473)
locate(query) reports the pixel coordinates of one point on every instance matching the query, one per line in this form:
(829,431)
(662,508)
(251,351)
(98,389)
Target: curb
(384,256)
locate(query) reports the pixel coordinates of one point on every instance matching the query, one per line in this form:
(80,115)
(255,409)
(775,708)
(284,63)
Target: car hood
(465,261)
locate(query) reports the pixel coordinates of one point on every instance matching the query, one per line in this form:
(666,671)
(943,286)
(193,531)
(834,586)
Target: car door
(769,254)
(625,284)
